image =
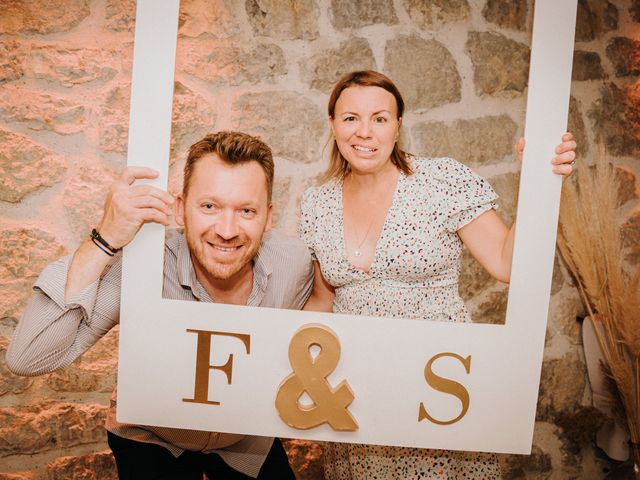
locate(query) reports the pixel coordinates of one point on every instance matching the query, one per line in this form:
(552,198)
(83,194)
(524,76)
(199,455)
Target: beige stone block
(281,196)
(229,64)
(74,66)
(481,141)
(42,111)
(120,15)
(562,385)
(48,425)
(24,252)
(575,125)
(323,70)
(507,186)
(94,371)
(211,18)
(634,10)
(424,71)
(94,466)
(13,300)
(26,167)
(594,19)
(284,20)
(507,13)
(624,54)
(83,198)
(10,383)
(193,118)
(474,279)
(12,55)
(42,16)
(113,120)
(616,120)
(288,122)
(536,466)
(493,307)
(500,65)
(587,66)
(435,13)
(346,14)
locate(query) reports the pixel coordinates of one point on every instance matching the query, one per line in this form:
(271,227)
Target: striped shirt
(53,333)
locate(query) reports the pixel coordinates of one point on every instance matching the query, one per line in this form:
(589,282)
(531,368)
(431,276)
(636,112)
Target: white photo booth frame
(383,360)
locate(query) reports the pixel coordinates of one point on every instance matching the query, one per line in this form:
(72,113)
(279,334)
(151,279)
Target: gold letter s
(447,386)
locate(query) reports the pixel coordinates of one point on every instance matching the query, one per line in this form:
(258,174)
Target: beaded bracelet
(102,244)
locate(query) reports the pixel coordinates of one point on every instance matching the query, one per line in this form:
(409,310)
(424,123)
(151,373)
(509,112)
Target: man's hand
(128,206)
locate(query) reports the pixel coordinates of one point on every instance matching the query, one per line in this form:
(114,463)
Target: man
(223,256)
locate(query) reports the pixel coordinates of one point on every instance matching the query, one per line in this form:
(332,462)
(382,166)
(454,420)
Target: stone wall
(266,67)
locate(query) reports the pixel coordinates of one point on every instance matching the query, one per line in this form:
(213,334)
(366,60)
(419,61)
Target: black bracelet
(98,240)
(101,247)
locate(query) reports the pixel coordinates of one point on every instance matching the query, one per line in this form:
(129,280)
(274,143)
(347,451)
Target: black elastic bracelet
(96,237)
(101,247)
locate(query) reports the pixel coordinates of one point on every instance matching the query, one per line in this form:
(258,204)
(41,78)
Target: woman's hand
(565,155)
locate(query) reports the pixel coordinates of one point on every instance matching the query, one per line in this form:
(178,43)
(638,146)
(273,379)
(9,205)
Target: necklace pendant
(357,252)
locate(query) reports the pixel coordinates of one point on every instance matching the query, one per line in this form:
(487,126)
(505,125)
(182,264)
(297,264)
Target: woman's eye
(349,119)
(381,119)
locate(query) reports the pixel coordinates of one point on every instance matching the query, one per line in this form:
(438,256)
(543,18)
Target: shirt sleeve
(307,228)
(53,333)
(466,194)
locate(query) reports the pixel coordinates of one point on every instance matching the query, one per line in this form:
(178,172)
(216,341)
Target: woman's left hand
(565,155)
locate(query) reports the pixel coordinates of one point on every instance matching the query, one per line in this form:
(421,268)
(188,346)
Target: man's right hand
(126,209)
(128,206)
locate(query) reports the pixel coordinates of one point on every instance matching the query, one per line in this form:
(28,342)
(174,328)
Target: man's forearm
(86,267)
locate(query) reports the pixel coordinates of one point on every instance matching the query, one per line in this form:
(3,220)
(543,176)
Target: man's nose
(227,225)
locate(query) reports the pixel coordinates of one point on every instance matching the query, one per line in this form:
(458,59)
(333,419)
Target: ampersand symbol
(309,375)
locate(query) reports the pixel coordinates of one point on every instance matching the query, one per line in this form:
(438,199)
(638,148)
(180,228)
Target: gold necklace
(357,252)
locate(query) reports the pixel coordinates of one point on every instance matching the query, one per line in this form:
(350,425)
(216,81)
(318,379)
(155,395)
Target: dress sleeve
(307,228)
(467,195)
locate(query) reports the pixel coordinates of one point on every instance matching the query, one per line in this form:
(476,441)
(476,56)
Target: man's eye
(208,206)
(349,119)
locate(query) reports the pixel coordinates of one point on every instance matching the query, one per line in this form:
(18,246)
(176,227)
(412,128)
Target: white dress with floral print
(414,274)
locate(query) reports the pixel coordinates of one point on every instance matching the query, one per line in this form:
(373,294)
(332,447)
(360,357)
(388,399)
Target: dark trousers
(147,461)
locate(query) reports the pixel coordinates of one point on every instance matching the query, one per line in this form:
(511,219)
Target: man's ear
(269,223)
(179,210)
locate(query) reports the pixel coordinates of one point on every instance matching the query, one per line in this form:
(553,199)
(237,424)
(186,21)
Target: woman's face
(366,127)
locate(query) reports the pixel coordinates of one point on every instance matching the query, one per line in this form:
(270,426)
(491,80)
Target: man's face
(225,213)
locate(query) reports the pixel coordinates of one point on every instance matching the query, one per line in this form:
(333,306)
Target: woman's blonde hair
(338,165)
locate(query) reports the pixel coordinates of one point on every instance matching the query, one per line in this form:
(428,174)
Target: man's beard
(217,270)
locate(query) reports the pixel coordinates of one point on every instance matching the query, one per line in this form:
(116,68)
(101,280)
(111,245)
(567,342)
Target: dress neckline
(343,245)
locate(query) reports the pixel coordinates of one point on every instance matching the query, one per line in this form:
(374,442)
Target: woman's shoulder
(319,191)
(439,168)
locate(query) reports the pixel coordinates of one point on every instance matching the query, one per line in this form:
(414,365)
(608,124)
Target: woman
(386,231)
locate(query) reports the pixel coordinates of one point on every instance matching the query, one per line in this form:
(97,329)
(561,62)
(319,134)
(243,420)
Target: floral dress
(414,274)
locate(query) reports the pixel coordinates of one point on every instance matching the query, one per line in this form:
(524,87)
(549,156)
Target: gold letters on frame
(203,364)
(309,375)
(446,385)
